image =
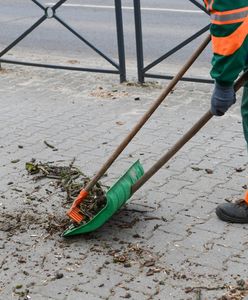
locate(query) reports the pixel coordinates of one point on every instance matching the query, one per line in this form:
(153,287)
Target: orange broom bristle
(75,215)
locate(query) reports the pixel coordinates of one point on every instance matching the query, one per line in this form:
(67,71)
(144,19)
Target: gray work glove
(222,98)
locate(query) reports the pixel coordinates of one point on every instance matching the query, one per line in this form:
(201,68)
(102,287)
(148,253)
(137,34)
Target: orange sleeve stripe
(234,11)
(229,44)
(228,22)
(230,18)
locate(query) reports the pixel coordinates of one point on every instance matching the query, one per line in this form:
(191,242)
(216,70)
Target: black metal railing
(143,70)
(51,12)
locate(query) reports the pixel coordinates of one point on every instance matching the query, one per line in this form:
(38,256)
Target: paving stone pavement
(174,245)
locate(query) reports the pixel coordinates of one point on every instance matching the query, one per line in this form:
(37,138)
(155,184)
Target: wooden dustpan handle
(194,129)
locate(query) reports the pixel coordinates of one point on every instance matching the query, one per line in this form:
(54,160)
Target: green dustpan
(116,196)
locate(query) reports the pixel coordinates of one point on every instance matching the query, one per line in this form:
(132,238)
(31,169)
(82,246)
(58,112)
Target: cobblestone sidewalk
(167,242)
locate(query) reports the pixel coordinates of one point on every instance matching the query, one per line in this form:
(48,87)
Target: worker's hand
(222,98)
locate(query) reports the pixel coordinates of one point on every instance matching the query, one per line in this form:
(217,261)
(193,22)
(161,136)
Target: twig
(49,145)
(191,289)
(72,162)
(43,169)
(71,180)
(3,262)
(43,261)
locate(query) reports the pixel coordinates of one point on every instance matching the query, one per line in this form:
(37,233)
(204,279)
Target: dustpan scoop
(116,197)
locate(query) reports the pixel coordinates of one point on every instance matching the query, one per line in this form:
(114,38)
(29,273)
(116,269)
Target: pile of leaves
(71,180)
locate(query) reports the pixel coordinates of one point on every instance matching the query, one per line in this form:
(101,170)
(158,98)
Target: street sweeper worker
(229,32)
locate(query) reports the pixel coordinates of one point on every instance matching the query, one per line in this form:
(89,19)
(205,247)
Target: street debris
(194,168)
(66,179)
(71,180)
(233,292)
(22,293)
(49,145)
(134,254)
(120,123)
(209,171)
(147,84)
(14,161)
(100,92)
(239,169)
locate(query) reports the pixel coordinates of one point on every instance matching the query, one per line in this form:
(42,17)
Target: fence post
(120,40)
(139,41)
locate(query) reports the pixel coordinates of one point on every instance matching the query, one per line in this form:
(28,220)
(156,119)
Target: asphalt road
(165,24)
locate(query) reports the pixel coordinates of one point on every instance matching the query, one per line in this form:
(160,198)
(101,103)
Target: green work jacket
(229,31)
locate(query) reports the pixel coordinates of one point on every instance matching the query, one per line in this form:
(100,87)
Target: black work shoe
(233,212)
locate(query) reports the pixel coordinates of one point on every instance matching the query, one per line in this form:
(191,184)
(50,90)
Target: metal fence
(49,12)
(143,70)
(118,67)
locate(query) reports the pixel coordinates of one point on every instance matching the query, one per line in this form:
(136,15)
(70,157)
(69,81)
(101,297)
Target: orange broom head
(74,212)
